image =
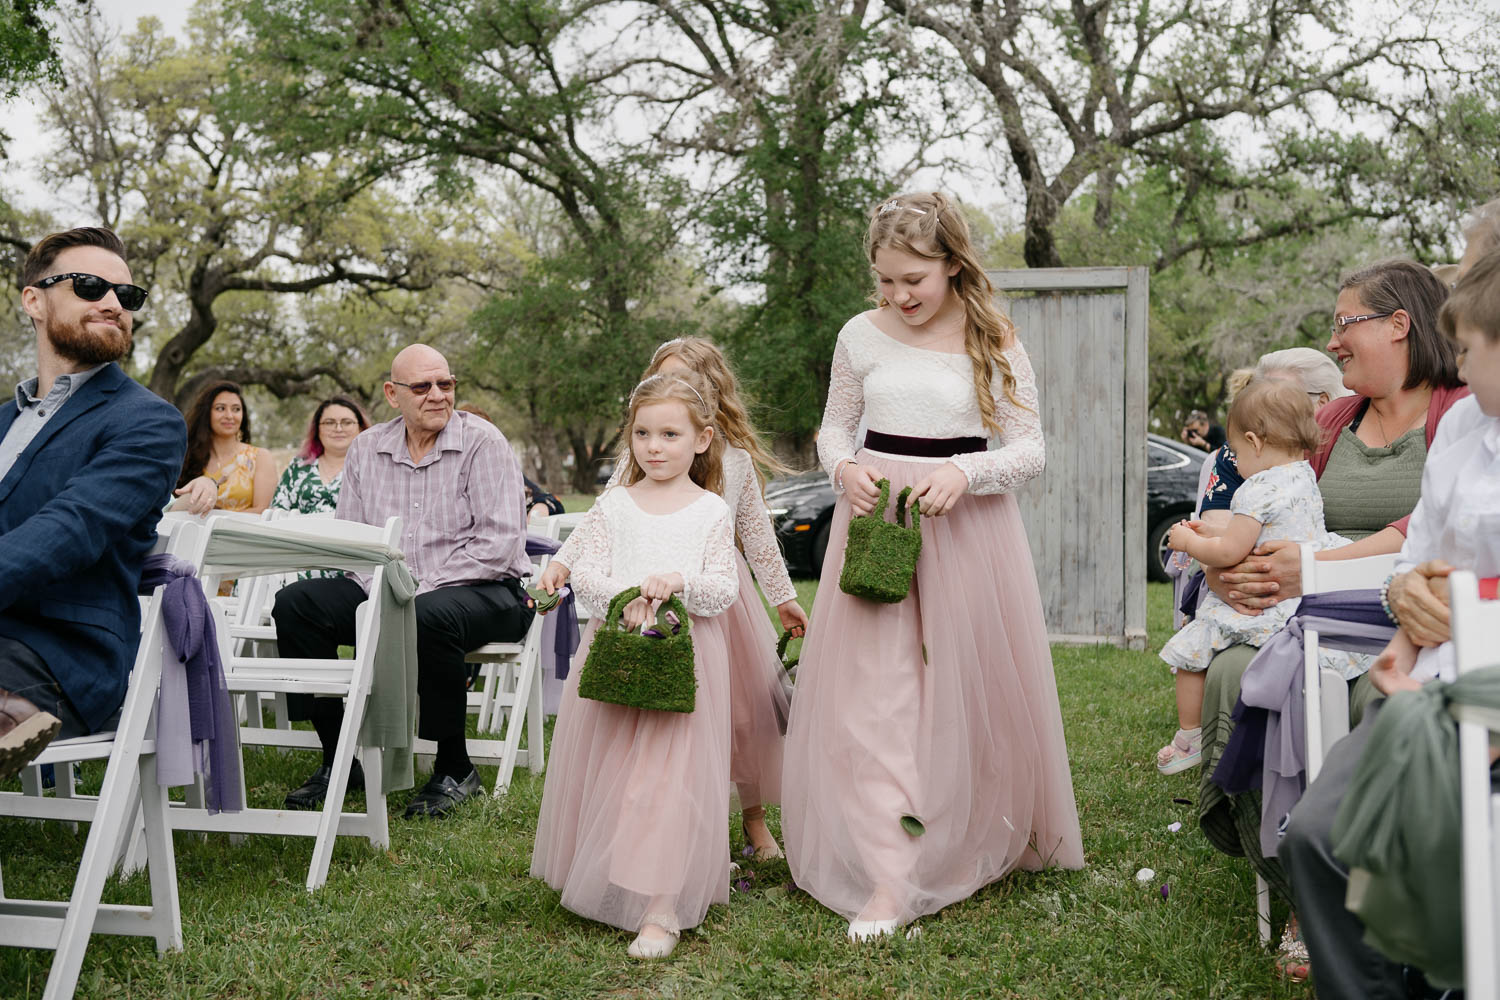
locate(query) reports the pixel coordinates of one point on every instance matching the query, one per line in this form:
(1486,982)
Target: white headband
(683,381)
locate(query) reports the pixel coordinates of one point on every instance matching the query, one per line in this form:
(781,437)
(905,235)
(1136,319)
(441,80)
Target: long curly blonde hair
(697,395)
(929,225)
(733,419)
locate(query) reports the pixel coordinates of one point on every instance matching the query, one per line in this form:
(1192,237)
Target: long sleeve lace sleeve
(752,522)
(841,413)
(592,581)
(711,590)
(1022,453)
(568,554)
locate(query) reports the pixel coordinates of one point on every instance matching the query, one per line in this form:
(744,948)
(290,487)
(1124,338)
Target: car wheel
(1157,551)
(820,549)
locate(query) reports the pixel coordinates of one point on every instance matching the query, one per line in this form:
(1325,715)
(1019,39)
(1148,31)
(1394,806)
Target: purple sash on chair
(195,723)
(560,626)
(1267,749)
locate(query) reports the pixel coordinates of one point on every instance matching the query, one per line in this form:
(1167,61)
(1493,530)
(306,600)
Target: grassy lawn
(450,911)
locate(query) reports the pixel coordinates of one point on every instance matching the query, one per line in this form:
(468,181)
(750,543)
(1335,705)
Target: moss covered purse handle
(616,613)
(781,645)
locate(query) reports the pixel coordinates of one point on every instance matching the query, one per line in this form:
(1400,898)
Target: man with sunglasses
(456,485)
(87,461)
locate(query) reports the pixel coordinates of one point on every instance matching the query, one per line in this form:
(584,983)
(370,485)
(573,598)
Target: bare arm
(1226,549)
(264,483)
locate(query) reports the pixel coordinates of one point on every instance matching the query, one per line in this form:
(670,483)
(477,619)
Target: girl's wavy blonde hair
(695,393)
(929,225)
(733,419)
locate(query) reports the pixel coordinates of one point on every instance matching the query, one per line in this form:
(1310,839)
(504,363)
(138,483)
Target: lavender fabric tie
(1267,749)
(560,626)
(195,724)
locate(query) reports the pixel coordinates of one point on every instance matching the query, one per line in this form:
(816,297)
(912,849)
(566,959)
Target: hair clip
(661,375)
(894,205)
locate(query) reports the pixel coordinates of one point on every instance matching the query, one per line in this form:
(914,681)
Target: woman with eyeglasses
(223,470)
(1404,376)
(310,484)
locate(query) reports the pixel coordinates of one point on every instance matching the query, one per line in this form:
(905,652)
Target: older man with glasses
(87,461)
(456,484)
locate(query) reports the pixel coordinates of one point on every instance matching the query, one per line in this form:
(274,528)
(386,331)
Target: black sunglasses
(445,386)
(92,288)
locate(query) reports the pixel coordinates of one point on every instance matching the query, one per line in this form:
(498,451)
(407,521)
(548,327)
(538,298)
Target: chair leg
(161,862)
(93,870)
(338,782)
(536,759)
(375,802)
(1262,910)
(515,724)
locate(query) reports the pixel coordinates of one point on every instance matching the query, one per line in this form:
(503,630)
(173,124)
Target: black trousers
(314,617)
(22,672)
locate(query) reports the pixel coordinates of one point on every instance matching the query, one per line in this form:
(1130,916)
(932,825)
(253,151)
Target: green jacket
(1399,828)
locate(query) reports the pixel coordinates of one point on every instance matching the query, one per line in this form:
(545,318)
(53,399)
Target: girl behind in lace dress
(925,754)
(632,828)
(757,697)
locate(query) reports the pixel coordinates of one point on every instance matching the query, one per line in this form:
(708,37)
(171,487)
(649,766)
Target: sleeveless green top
(1364,488)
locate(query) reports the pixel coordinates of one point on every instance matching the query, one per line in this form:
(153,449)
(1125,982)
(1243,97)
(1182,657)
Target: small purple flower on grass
(742,885)
(747,851)
(1165,886)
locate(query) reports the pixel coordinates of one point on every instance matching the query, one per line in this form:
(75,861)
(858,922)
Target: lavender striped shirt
(462,507)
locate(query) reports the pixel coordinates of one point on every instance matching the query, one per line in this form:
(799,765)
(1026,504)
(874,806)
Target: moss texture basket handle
(902,508)
(781,645)
(616,612)
(878,511)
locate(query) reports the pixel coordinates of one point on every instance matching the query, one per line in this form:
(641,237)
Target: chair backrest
(1476,644)
(1323,576)
(1476,624)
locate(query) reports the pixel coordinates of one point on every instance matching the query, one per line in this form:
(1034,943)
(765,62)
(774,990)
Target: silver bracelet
(1385,600)
(838,481)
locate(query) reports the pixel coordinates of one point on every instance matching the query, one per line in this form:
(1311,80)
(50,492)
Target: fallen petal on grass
(1145,875)
(1173,827)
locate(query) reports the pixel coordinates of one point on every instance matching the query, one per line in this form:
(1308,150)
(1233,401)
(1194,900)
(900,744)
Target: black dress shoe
(315,789)
(441,794)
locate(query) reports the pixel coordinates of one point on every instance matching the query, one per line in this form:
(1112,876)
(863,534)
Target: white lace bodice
(618,545)
(752,523)
(900,389)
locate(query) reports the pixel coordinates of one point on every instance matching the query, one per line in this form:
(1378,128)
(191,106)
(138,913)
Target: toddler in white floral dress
(1271,428)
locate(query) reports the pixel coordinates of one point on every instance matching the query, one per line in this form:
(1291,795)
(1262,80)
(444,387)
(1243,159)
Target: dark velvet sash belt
(900,444)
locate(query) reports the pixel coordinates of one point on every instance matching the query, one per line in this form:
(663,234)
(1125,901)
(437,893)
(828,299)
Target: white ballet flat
(641,947)
(864,930)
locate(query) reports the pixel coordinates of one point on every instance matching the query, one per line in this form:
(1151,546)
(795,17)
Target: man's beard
(74,342)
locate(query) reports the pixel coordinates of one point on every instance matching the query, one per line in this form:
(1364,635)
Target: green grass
(450,911)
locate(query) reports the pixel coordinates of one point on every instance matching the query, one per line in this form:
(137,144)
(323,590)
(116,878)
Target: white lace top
(618,545)
(752,523)
(911,391)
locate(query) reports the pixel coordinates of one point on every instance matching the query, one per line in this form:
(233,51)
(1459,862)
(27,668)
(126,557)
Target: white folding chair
(129,779)
(1476,644)
(349,679)
(1326,693)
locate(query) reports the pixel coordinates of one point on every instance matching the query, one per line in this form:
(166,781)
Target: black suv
(802,506)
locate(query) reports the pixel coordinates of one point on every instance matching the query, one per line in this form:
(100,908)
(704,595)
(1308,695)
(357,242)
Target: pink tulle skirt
(632,822)
(757,700)
(944,708)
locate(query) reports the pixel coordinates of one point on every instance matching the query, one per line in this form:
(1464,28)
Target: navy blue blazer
(78,515)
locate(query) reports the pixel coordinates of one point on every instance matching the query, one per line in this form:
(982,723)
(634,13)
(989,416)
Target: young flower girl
(757,698)
(632,827)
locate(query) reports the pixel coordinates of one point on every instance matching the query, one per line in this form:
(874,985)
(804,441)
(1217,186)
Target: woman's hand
(198,496)
(554,576)
(660,586)
(1272,573)
(637,613)
(940,489)
(859,486)
(793,618)
(1420,600)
